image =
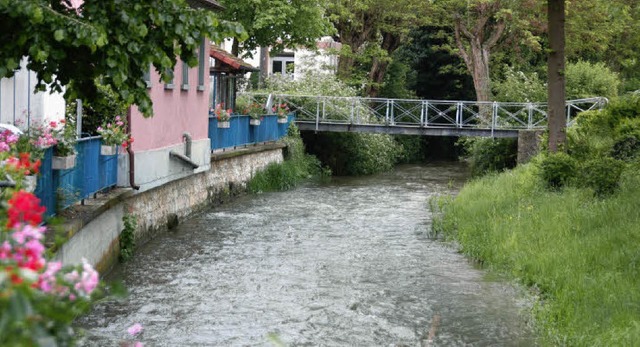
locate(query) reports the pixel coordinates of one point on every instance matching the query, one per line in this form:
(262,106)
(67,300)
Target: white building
(20,106)
(296,63)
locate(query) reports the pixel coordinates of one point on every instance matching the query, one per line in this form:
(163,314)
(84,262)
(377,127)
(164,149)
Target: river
(350,262)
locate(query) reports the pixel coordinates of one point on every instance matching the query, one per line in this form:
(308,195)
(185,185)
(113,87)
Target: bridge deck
(405,129)
(419,117)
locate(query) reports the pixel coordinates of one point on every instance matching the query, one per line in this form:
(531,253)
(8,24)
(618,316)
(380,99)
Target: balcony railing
(93,172)
(240,133)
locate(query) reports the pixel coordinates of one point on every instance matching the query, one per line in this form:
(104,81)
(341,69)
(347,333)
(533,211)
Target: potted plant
(23,169)
(113,135)
(64,152)
(282,111)
(223,116)
(255,111)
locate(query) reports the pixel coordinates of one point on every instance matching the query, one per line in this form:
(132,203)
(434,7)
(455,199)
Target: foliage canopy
(112,42)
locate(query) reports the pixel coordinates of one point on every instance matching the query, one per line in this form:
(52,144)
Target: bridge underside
(405,129)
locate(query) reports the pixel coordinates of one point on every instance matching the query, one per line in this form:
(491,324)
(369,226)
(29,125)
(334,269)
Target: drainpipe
(132,166)
(187,148)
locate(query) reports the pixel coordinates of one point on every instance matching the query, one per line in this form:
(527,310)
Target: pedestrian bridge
(420,117)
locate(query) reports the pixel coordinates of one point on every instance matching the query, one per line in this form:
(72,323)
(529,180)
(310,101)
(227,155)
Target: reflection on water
(348,263)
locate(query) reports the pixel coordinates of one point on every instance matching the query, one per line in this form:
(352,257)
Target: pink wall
(175,111)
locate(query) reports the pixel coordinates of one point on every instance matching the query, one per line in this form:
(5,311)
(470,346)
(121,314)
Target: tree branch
(461,49)
(496,34)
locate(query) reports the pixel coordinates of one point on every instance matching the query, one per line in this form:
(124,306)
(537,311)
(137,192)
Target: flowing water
(345,263)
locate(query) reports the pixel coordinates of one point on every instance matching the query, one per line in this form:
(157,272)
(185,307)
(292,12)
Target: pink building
(174,143)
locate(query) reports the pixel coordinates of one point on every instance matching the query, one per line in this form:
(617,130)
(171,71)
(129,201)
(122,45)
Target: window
(283,63)
(170,84)
(202,55)
(185,76)
(276,67)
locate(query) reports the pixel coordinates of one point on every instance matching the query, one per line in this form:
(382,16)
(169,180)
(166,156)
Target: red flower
(24,208)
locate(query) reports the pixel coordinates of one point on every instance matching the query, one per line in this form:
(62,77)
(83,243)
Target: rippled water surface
(347,263)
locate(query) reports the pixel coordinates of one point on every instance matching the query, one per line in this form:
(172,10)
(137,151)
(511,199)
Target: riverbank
(578,252)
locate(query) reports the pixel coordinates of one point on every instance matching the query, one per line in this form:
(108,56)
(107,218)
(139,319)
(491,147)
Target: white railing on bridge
(423,113)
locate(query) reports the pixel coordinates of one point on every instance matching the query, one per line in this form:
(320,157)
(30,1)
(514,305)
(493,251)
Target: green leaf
(58,35)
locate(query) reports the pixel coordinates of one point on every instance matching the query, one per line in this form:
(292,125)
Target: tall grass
(579,253)
(297,167)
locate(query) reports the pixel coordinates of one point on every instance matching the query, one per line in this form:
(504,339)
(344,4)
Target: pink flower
(88,280)
(135,329)
(48,277)
(138,344)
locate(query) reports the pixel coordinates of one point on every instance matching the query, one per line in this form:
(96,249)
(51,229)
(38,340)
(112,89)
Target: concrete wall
(157,208)
(529,142)
(20,106)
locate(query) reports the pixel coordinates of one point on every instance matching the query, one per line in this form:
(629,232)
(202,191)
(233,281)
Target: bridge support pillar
(528,144)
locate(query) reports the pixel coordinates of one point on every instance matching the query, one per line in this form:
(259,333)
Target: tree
(556,83)
(371,31)
(440,73)
(110,42)
(277,23)
(483,27)
(605,31)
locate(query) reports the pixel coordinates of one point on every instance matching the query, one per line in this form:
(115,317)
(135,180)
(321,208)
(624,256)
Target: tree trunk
(480,72)
(474,46)
(235,47)
(390,43)
(556,83)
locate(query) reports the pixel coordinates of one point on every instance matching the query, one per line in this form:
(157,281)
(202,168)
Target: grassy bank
(297,166)
(579,252)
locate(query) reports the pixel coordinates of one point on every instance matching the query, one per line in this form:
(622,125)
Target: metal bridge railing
(423,113)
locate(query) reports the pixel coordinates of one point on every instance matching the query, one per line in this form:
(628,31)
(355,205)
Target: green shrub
(518,86)
(627,147)
(412,148)
(585,80)
(601,174)
(487,155)
(103,108)
(297,166)
(557,170)
(127,239)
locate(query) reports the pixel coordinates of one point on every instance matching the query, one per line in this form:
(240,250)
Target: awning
(235,63)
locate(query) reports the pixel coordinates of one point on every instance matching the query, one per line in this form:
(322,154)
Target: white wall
(20,106)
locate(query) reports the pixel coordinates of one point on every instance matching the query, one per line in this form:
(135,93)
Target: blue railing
(93,172)
(240,133)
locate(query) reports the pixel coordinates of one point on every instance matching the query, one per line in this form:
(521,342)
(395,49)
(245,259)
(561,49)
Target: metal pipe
(187,148)
(132,165)
(183,159)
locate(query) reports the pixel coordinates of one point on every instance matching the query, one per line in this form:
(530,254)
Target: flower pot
(63,163)
(30,182)
(282,120)
(254,122)
(108,150)
(224,125)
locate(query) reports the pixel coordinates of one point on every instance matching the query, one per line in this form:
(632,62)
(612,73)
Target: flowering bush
(282,110)
(7,139)
(22,165)
(254,110)
(114,134)
(38,299)
(221,114)
(65,135)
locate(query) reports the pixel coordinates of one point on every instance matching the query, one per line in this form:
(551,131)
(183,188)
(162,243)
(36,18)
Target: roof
(231,60)
(206,4)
